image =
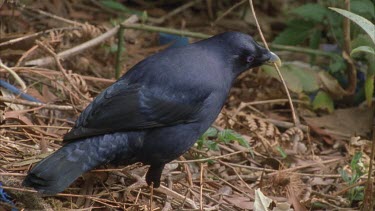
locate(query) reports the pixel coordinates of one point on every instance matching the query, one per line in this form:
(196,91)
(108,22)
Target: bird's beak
(274,59)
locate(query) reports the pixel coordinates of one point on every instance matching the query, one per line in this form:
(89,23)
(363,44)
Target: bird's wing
(123,107)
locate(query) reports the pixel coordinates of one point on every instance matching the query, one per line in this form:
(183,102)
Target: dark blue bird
(154,113)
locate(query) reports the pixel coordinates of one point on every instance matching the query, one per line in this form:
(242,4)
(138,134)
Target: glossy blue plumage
(152,114)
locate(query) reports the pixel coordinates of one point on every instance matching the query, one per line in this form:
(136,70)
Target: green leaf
(364,8)
(144,17)
(334,20)
(211,145)
(314,12)
(362,40)
(315,38)
(282,152)
(297,78)
(323,101)
(358,194)
(369,89)
(362,22)
(344,175)
(296,32)
(119,7)
(356,158)
(229,135)
(337,64)
(366,49)
(211,132)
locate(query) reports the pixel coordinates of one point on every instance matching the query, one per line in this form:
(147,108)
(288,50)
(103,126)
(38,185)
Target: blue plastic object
(174,40)
(16,91)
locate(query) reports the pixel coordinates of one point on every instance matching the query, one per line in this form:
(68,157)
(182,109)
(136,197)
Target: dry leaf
(262,202)
(240,202)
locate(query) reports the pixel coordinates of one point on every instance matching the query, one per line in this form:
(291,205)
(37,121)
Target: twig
(207,159)
(201,188)
(79,48)
(62,69)
(224,207)
(305,166)
(304,50)
(35,126)
(340,192)
(18,39)
(209,9)
(99,200)
(166,30)
(120,48)
(237,174)
(167,191)
(25,55)
(175,12)
(229,184)
(273,101)
(12,174)
(34,104)
(75,23)
(229,10)
(204,36)
(14,74)
(177,196)
(368,202)
(295,119)
(43,71)
(273,172)
(284,124)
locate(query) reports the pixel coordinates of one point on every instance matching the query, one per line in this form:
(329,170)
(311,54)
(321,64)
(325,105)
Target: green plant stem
(120,48)
(302,50)
(204,36)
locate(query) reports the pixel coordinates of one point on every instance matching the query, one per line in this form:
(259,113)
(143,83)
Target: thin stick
(18,39)
(175,12)
(35,104)
(44,72)
(340,192)
(166,30)
(99,200)
(205,36)
(229,10)
(75,23)
(35,126)
(237,174)
(120,48)
(62,69)
(295,119)
(79,48)
(201,189)
(210,158)
(368,198)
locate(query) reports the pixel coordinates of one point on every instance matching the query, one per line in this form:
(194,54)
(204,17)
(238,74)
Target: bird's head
(243,52)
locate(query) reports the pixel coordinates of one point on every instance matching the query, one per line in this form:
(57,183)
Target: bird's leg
(154,174)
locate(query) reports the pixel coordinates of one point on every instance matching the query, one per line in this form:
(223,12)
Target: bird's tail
(57,171)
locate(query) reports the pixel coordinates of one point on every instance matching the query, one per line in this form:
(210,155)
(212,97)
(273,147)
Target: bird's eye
(250,59)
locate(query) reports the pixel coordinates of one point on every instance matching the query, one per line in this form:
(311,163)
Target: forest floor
(252,153)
